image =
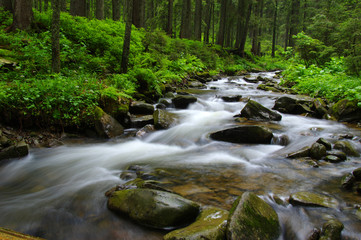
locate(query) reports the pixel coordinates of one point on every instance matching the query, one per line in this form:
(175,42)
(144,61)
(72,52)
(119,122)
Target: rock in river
(244,134)
(164,119)
(347,148)
(154,208)
(331,230)
(183,101)
(312,200)
(252,218)
(106,126)
(141,108)
(255,111)
(7,234)
(210,224)
(19,150)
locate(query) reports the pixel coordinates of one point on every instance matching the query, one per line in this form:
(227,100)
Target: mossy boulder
(317,151)
(331,230)
(164,119)
(357,174)
(252,218)
(341,155)
(183,101)
(141,108)
(346,111)
(293,105)
(301,153)
(256,111)
(348,181)
(325,143)
(244,134)
(105,125)
(312,200)
(210,224)
(320,107)
(8,234)
(333,159)
(20,149)
(153,208)
(347,148)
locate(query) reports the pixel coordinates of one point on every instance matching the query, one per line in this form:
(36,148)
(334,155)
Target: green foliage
(312,51)
(330,82)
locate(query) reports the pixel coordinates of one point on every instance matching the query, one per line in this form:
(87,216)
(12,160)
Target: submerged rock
(164,119)
(244,134)
(19,150)
(331,230)
(7,234)
(234,98)
(347,148)
(154,208)
(252,218)
(210,224)
(183,101)
(255,111)
(312,200)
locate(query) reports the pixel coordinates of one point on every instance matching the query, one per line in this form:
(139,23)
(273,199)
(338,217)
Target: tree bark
(185,31)
(222,23)
(208,12)
(138,13)
(116,10)
(78,8)
(274,28)
(294,22)
(127,36)
(7,5)
(198,21)
(23,15)
(245,31)
(99,9)
(55,35)
(170,18)
(63,5)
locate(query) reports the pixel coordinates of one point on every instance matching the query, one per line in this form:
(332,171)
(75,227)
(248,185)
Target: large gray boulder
(164,119)
(141,108)
(210,224)
(183,101)
(106,126)
(255,111)
(244,134)
(252,218)
(153,208)
(21,149)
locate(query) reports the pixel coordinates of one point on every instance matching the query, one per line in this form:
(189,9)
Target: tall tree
(295,9)
(222,23)
(116,10)
(99,9)
(138,13)
(198,21)
(78,8)
(274,27)
(23,15)
(245,28)
(127,36)
(186,31)
(208,18)
(63,5)
(55,32)
(46,5)
(7,5)
(170,18)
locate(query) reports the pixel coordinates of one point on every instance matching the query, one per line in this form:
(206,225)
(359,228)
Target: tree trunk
(127,36)
(99,9)
(222,23)
(23,15)
(241,20)
(198,21)
(138,13)
(7,5)
(186,20)
(78,8)
(245,31)
(294,22)
(55,35)
(287,25)
(116,10)
(170,18)
(274,28)
(63,5)
(208,16)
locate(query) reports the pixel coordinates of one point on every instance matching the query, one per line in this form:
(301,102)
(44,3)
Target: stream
(58,193)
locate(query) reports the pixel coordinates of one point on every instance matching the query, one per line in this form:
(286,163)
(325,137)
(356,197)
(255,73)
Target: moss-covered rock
(331,230)
(332,159)
(293,105)
(347,148)
(348,181)
(8,234)
(301,153)
(141,108)
(317,151)
(105,125)
(164,119)
(320,107)
(338,154)
(210,224)
(325,143)
(255,111)
(21,149)
(312,200)
(357,174)
(154,208)
(183,101)
(244,134)
(346,111)
(252,218)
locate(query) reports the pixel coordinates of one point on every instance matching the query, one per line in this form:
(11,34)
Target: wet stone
(317,151)
(341,155)
(312,200)
(302,153)
(244,134)
(358,188)
(333,159)
(325,143)
(331,230)
(347,148)
(357,174)
(348,181)
(234,98)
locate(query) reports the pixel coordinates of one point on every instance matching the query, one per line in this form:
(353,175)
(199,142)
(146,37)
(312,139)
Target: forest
(77,53)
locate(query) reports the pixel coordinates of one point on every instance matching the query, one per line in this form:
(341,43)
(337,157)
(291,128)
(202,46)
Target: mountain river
(58,193)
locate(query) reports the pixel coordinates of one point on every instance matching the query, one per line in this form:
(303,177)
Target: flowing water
(58,193)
